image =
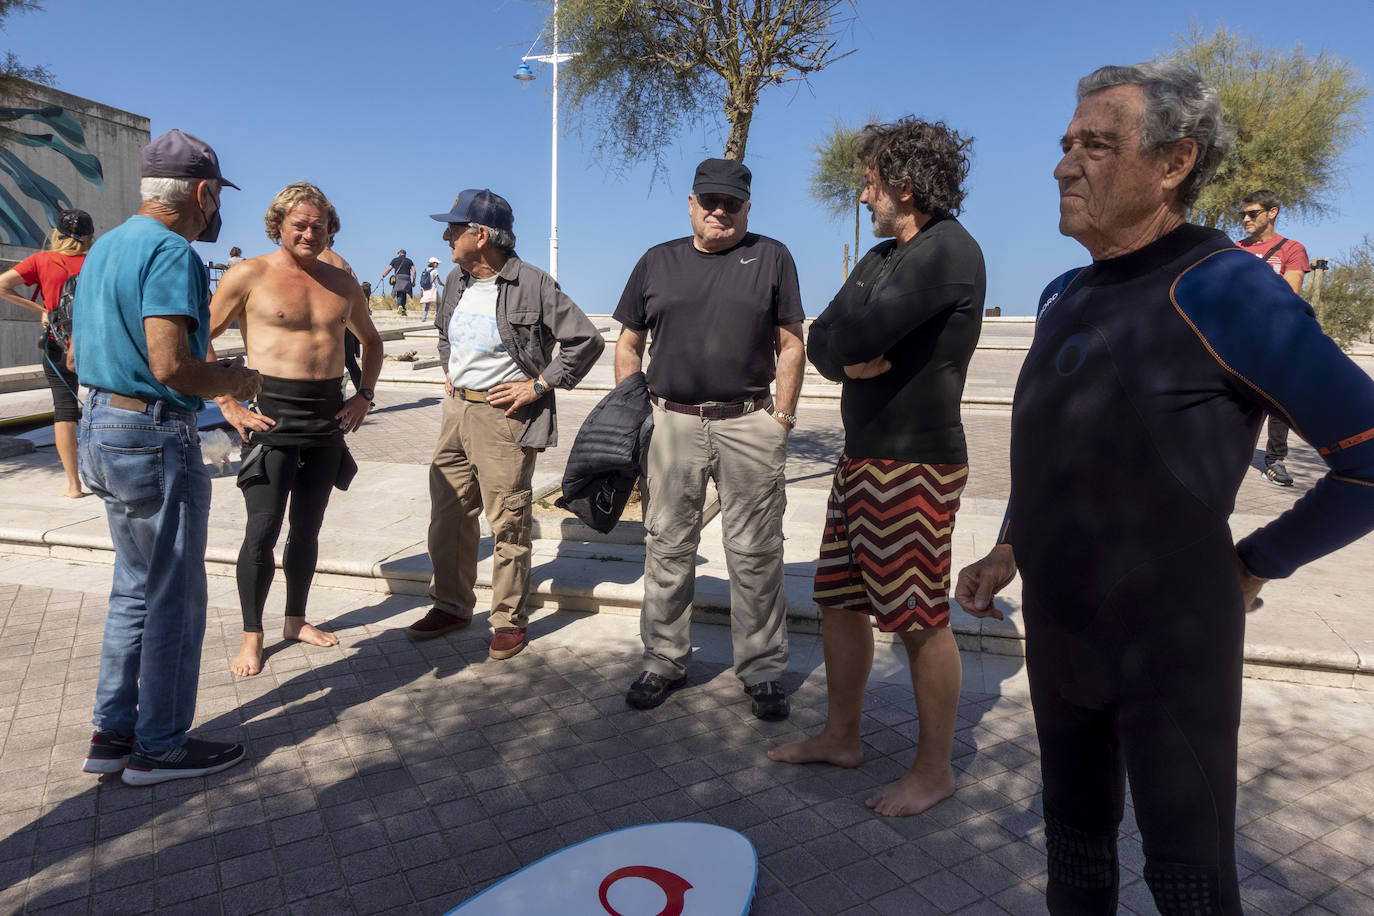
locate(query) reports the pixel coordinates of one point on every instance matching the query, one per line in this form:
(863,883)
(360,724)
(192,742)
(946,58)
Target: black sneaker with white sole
(109,751)
(194,758)
(1278,474)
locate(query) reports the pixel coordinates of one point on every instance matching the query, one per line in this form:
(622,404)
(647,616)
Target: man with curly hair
(293,306)
(899,335)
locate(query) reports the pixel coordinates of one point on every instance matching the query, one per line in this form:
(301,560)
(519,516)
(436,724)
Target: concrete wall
(74,153)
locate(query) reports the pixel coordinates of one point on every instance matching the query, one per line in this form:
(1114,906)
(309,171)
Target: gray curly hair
(1178,106)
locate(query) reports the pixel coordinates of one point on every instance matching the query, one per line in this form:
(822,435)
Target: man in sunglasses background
(722,312)
(1259,212)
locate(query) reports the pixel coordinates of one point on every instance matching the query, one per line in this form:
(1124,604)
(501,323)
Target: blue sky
(392,109)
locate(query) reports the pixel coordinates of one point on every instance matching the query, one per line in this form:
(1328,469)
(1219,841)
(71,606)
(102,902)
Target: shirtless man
(292,307)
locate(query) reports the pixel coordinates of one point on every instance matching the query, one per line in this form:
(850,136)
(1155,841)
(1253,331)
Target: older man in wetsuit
(1133,425)
(292,306)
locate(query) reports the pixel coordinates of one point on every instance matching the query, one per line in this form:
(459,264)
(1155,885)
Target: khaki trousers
(478,463)
(747,458)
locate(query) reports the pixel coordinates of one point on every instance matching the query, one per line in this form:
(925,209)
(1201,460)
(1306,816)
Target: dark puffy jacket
(603,464)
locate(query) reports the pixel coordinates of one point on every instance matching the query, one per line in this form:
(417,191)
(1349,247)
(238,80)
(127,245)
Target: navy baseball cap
(479,205)
(723,176)
(177,154)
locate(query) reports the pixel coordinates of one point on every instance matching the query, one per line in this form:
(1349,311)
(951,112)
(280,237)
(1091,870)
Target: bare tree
(1295,116)
(647,69)
(12,70)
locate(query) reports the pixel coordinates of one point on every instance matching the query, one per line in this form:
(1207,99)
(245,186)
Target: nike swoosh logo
(750,261)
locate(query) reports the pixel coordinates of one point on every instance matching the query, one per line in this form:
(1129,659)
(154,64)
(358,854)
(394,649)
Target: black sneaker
(1278,474)
(650,690)
(194,758)
(770,703)
(109,751)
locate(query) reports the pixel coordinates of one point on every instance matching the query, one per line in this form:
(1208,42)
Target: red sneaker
(507,642)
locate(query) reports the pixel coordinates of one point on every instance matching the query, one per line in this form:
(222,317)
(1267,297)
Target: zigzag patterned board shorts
(886,547)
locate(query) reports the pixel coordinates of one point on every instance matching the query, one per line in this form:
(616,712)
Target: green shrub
(1345,303)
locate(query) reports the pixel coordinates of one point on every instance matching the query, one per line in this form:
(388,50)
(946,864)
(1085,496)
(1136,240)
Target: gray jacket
(532,315)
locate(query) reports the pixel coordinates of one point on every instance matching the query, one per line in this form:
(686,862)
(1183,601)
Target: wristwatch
(539,388)
(789,418)
(369,394)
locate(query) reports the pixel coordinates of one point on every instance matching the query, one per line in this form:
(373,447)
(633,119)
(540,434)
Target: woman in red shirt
(48,270)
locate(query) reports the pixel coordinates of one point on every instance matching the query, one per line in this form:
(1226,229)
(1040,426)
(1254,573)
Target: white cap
(434,260)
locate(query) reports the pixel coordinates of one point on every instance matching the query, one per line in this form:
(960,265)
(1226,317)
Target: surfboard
(673,869)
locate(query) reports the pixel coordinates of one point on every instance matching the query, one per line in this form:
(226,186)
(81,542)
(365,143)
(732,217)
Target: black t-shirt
(921,306)
(712,317)
(402,266)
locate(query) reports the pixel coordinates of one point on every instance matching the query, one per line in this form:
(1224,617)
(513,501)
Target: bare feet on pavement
(75,494)
(911,794)
(297,629)
(820,749)
(249,660)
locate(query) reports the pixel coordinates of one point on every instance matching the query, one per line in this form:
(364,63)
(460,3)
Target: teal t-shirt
(140,269)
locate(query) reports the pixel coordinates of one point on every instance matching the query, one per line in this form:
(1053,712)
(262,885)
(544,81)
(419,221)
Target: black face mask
(212,226)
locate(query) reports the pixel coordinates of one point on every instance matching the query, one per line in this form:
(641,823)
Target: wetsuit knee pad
(1078,858)
(260,535)
(1183,890)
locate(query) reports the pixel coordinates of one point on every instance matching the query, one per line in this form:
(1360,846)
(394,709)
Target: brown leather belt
(124,402)
(713,411)
(471,394)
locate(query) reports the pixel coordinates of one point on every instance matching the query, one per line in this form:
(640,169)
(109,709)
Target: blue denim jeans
(147,468)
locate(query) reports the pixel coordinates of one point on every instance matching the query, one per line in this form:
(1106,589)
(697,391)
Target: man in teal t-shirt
(143,308)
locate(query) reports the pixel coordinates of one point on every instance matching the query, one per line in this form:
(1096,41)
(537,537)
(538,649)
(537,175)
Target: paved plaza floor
(385,776)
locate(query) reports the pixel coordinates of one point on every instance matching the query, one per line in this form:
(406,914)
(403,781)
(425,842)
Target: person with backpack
(1258,215)
(429,288)
(50,270)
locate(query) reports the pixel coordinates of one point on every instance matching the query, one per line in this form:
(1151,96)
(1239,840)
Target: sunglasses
(712,202)
(1251,214)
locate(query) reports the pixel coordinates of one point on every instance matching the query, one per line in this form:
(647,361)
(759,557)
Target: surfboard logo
(674,887)
(669,869)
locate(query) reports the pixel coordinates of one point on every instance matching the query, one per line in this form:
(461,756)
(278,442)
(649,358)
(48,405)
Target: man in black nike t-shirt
(721,312)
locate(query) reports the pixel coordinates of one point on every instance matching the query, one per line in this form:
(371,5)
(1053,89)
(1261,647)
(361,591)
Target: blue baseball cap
(481,206)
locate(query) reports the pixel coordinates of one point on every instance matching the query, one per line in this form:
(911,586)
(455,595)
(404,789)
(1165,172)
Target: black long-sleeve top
(920,304)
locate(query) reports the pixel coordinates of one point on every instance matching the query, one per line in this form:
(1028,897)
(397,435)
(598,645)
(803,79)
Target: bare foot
(820,749)
(249,660)
(296,628)
(74,494)
(912,794)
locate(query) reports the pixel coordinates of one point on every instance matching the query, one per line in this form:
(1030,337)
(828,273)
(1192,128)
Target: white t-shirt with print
(477,359)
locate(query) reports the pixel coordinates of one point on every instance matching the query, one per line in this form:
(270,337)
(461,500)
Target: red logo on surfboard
(674,887)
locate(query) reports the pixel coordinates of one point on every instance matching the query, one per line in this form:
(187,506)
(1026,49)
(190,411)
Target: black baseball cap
(75,224)
(723,176)
(177,154)
(479,205)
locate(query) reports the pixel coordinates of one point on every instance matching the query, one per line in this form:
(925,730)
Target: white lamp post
(526,76)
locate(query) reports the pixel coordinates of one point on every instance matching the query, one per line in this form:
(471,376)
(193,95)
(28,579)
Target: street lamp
(525,75)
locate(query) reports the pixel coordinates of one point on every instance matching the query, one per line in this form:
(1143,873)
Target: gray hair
(1178,106)
(501,238)
(170,192)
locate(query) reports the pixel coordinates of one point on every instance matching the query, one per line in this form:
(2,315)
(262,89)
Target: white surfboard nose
(676,869)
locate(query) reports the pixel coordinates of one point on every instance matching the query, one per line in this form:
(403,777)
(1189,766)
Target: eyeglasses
(1251,214)
(712,202)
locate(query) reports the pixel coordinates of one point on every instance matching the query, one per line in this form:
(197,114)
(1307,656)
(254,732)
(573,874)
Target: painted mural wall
(58,151)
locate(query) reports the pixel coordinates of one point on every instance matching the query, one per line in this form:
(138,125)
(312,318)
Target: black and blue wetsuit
(1135,420)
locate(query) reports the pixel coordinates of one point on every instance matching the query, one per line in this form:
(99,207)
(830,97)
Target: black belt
(714,411)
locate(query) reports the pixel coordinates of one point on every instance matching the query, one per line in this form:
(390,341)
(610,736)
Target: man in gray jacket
(498,323)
